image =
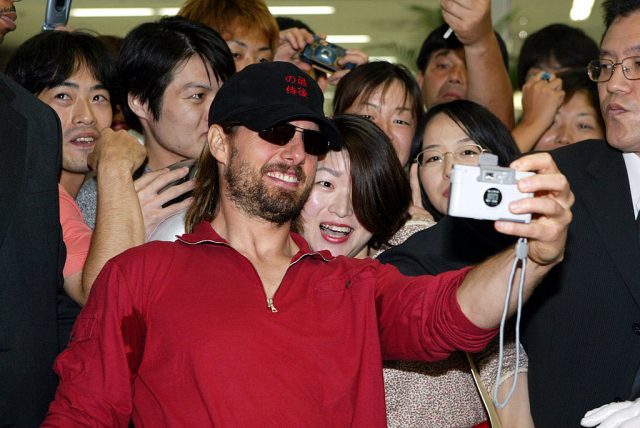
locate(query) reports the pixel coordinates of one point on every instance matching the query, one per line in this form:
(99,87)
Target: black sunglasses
(315,142)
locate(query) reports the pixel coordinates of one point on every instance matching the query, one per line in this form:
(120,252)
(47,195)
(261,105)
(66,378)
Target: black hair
(618,8)
(481,126)
(435,41)
(49,58)
(576,80)
(285,22)
(152,51)
(569,46)
(361,82)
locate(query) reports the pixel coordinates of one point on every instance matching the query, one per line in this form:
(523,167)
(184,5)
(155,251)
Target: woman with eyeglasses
(457,132)
(444,394)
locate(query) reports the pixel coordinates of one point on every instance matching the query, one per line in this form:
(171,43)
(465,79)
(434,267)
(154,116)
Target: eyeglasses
(315,142)
(469,154)
(601,70)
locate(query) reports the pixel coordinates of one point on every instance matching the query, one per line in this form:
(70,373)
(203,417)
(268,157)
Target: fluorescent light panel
(391,59)
(302,10)
(340,39)
(168,11)
(147,11)
(111,12)
(581,10)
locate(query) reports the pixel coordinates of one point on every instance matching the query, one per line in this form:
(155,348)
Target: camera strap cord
(522,249)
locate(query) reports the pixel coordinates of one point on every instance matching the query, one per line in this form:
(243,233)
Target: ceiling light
(391,59)
(168,11)
(302,10)
(346,38)
(581,10)
(106,12)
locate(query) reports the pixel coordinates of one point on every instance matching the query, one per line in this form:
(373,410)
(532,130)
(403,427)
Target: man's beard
(250,193)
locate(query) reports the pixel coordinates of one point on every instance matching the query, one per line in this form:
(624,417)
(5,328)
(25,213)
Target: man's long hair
(206,193)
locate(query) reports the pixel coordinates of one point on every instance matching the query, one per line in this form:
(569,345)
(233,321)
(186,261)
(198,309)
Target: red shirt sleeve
(98,367)
(420,318)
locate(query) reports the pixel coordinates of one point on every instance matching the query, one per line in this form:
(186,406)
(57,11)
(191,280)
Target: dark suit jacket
(450,244)
(31,255)
(582,324)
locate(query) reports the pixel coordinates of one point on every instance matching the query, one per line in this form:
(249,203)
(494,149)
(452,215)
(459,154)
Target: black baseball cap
(269,93)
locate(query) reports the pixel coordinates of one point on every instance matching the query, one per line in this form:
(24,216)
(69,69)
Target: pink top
(75,233)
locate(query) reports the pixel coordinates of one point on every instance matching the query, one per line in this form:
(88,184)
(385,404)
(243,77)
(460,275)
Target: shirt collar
(203,232)
(632,162)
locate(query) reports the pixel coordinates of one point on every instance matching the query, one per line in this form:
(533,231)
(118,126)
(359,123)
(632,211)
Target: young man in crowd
(170,71)
(239,323)
(73,73)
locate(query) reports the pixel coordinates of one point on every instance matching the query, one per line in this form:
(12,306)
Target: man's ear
(420,78)
(218,143)
(139,108)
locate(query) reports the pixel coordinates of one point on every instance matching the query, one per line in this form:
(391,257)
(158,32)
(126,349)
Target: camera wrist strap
(522,249)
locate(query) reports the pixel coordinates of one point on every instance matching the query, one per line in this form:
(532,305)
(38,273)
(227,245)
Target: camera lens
(325,55)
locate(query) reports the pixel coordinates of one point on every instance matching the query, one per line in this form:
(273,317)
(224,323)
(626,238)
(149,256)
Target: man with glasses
(239,323)
(582,333)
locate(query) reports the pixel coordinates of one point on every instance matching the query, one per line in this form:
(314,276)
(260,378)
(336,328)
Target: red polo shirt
(180,335)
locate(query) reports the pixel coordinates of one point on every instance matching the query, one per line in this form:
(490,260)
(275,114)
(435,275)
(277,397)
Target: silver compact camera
(484,192)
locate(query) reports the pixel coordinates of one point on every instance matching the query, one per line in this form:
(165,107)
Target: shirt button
(636,328)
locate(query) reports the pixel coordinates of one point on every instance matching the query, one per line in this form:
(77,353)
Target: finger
(334,78)
(147,178)
(354,56)
(304,66)
(173,209)
(555,84)
(453,10)
(542,206)
(595,416)
(414,182)
(536,162)
(542,231)
(555,183)
(173,192)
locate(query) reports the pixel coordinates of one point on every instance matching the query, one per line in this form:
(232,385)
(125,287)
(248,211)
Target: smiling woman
(360,195)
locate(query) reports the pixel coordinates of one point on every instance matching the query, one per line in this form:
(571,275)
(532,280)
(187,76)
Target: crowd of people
(188,239)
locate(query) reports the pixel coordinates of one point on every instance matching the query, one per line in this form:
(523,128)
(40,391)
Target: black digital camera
(324,55)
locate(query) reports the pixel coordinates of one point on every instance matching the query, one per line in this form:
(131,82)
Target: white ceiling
(386,21)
